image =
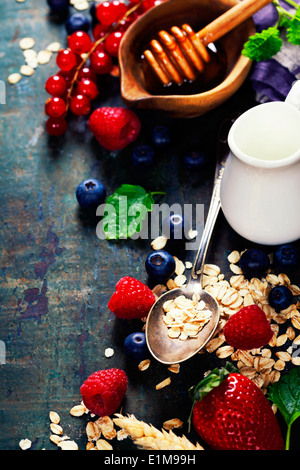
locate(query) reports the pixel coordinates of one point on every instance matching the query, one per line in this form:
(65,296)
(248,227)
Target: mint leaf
(293,29)
(125,211)
(262,46)
(285,394)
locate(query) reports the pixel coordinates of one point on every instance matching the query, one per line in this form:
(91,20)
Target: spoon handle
(215,204)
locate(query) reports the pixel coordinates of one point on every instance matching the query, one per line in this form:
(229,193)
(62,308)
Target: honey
(213,74)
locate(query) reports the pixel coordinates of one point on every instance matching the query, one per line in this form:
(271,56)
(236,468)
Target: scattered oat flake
(54,417)
(122,434)
(68,445)
(159,242)
(78,410)
(102,444)
(172,423)
(54,47)
(14,78)
(55,438)
(192,234)
(81,5)
(25,444)
(44,57)
(188,265)
(26,43)
(26,70)
(163,384)
(56,428)
(143,365)
(109,352)
(234,257)
(175,368)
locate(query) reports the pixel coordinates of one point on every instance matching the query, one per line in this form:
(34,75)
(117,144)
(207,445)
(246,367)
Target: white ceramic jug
(260,188)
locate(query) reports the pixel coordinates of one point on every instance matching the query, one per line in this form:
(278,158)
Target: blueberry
(77,22)
(160,265)
(135,346)
(143,156)
(175,227)
(194,160)
(58,6)
(254,263)
(280,298)
(161,137)
(90,193)
(286,257)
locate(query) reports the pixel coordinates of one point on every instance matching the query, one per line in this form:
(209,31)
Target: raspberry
(132,299)
(247,329)
(103,391)
(114,127)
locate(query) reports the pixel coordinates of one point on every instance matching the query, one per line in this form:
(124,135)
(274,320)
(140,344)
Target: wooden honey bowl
(135,79)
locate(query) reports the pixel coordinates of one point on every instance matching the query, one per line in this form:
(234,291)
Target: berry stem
(95,45)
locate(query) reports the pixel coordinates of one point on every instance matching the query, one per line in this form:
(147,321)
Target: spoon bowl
(172,350)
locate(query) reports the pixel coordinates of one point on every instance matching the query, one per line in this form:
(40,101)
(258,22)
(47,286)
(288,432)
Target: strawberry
(248,328)
(114,127)
(103,391)
(231,413)
(132,299)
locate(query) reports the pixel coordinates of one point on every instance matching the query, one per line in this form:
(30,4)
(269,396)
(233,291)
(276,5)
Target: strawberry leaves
(285,394)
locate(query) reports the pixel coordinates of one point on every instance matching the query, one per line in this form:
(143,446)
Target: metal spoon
(172,350)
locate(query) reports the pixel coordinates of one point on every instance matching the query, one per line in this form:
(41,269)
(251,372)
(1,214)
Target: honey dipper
(182,54)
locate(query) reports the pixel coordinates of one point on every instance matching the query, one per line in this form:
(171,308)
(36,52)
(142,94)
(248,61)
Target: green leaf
(293,29)
(262,46)
(125,211)
(285,394)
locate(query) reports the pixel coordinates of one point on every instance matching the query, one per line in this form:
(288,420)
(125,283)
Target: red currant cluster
(74,86)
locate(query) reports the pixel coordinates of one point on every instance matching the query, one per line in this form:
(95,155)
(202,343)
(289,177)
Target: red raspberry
(247,329)
(114,128)
(132,299)
(104,390)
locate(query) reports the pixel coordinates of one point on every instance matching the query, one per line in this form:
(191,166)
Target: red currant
(67,76)
(110,12)
(86,72)
(55,107)
(56,85)
(79,42)
(80,105)
(88,88)
(66,60)
(112,43)
(101,62)
(148,4)
(99,31)
(56,126)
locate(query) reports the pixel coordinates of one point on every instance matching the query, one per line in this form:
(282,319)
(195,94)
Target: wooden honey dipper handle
(230,19)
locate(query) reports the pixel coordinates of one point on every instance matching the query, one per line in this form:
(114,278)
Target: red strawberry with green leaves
(231,413)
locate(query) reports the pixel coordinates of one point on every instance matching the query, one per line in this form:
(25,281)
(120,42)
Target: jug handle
(293,96)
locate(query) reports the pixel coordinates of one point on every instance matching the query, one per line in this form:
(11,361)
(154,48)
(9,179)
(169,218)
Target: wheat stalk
(147,437)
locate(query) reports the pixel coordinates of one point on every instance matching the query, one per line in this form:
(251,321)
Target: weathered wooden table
(56,275)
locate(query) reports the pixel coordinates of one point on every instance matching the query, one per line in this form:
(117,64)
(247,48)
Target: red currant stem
(95,45)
